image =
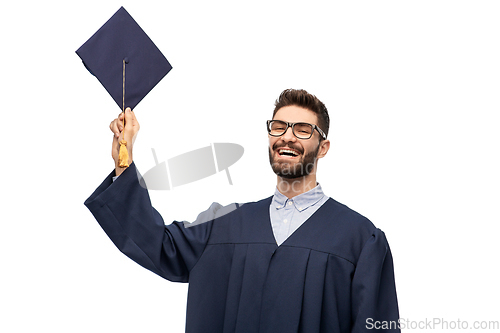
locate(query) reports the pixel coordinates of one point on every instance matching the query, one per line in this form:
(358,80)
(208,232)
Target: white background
(412,88)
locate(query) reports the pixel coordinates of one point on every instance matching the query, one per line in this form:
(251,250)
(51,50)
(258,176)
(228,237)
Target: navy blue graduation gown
(333,274)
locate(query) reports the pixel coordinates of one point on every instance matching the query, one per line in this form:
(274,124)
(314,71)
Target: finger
(135,123)
(120,121)
(131,124)
(113,127)
(117,139)
(116,127)
(119,125)
(129,117)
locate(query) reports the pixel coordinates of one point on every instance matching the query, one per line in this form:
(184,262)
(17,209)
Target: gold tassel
(123,155)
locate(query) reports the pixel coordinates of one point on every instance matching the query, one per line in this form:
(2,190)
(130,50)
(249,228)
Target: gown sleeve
(124,211)
(374,300)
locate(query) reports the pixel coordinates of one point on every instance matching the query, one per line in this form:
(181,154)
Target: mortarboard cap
(119,39)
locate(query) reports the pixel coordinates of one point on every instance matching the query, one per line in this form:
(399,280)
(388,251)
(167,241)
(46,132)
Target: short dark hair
(303,99)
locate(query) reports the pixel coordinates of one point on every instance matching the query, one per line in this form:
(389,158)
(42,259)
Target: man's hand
(131,130)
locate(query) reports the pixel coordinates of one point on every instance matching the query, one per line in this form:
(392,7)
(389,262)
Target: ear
(324,146)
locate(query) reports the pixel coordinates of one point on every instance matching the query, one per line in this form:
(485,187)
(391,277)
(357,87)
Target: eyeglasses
(300,130)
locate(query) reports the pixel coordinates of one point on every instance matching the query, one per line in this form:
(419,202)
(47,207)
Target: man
(294,262)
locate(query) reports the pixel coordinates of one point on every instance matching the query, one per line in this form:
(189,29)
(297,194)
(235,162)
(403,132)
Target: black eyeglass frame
(314,127)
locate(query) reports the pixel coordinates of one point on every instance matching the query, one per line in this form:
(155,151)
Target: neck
(295,186)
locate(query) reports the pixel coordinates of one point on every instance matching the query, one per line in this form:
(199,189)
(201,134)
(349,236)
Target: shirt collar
(301,201)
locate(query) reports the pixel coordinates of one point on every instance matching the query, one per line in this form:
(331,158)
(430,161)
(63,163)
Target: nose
(288,136)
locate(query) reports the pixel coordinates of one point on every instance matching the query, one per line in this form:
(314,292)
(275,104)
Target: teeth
(281,151)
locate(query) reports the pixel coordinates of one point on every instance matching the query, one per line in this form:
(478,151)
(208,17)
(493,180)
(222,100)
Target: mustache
(278,145)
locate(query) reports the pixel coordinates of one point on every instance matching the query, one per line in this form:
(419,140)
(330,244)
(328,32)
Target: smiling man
(296,140)
(297,261)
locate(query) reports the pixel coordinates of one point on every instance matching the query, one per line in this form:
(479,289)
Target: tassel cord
(123,153)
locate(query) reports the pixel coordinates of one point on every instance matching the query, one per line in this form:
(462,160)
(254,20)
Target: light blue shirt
(287,215)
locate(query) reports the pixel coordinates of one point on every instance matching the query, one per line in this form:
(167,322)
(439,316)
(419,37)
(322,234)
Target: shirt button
(285,221)
(290,203)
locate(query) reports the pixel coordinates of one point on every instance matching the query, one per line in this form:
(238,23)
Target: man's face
(289,156)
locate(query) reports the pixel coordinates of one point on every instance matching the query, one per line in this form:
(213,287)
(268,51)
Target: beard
(290,170)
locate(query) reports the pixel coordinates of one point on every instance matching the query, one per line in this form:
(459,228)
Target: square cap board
(124,59)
